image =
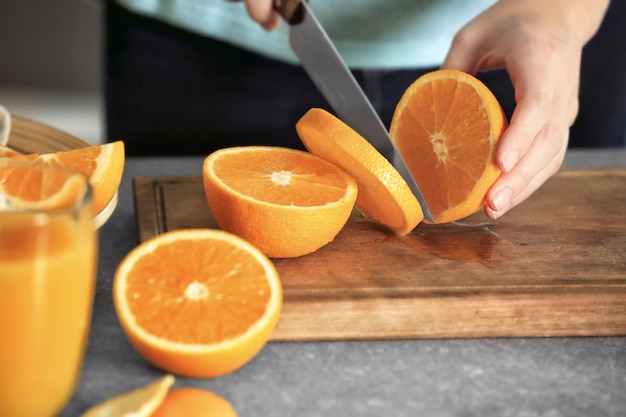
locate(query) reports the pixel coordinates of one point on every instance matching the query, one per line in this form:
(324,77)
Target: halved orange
(197,302)
(103,164)
(384,196)
(446,126)
(284,201)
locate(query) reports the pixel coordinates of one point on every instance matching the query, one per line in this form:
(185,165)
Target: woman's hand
(540,45)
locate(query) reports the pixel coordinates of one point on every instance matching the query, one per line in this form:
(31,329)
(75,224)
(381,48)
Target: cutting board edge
(487,315)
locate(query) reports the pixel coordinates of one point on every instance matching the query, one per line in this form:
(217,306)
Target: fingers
(529,117)
(536,166)
(263,12)
(533,146)
(541,51)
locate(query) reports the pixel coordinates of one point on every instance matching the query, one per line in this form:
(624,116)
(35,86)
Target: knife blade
(326,68)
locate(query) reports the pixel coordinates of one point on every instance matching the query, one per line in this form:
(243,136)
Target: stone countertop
(578,376)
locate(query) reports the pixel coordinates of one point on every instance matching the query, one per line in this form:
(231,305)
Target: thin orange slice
(102,164)
(284,201)
(194,402)
(197,302)
(384,196)
(446,126)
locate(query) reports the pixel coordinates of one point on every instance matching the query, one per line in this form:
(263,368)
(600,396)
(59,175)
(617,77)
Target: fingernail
(510,161)
(501,200)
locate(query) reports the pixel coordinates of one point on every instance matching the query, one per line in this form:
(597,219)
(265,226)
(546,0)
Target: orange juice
(47,273)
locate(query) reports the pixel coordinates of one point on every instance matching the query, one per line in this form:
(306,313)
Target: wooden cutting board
(553,266)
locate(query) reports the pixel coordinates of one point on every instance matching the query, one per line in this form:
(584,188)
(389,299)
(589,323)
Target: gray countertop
(580,376)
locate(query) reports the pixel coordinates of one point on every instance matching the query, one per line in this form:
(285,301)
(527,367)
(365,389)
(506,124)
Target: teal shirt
(369,34)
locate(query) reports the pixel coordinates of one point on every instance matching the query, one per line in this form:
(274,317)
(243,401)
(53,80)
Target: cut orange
(446,126)
(194,402)
(140,402)
(102,164)
(35,186)
(284,201)
(384,196)
(197,302)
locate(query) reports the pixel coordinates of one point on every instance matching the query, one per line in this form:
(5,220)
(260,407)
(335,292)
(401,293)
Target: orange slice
(197,302)
(284,201)
(194,402)
(446,126)
(102,164)
(140,402)
(36,186)
(384,196)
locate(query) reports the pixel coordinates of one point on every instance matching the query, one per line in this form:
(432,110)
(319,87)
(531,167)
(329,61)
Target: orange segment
(384,196)
(286,202)
(194,402)
(446,126)
(35,186)
(197,302)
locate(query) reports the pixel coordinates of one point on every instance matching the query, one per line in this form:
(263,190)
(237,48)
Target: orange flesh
(449,131)
(224,291)
(285,179)
(30,183)
(86,159)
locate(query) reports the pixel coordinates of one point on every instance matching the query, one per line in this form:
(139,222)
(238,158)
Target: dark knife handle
(290,10)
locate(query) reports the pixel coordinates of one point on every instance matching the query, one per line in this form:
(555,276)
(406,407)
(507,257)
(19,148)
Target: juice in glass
(47,278)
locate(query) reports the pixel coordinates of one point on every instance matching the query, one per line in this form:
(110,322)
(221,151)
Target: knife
(322,62)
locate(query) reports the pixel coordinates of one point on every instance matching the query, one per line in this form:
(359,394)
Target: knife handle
(290,10)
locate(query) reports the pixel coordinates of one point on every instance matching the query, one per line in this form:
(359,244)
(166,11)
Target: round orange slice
(446,126)
(284,201)
(384,196)
(197,302)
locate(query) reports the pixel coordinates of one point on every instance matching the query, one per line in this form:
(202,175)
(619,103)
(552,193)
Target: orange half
(286,202)
(197,302)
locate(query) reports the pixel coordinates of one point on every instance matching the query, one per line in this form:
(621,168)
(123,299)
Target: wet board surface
(553,266)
